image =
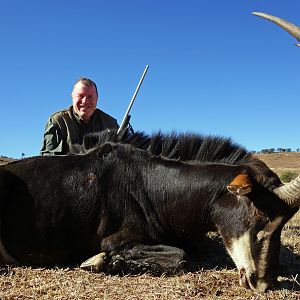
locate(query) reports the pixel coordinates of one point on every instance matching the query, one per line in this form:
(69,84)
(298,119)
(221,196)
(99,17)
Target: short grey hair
(86,82)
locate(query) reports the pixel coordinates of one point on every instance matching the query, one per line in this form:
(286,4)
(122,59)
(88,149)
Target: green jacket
(65,128)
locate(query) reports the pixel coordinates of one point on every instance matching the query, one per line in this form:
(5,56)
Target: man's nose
(85,99)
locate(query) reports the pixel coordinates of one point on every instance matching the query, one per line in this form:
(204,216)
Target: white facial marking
(240,251)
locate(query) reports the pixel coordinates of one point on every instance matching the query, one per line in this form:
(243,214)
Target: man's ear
(241,185)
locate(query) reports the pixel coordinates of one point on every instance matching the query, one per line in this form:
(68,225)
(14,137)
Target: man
(67,127)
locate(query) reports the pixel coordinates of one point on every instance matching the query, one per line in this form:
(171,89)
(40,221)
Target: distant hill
(282,162)
(4,160)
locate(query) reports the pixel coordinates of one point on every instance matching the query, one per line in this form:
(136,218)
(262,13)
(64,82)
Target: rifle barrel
(123,124)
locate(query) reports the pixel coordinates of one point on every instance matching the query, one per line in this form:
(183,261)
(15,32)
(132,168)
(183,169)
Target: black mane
(183,146)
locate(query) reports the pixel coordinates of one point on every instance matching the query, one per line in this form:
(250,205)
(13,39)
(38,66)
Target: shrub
(288,176)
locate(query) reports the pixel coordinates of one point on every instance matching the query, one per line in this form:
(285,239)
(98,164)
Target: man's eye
(87,97)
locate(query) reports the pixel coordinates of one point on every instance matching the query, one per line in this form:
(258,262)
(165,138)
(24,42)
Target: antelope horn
(290,192)
(289,27)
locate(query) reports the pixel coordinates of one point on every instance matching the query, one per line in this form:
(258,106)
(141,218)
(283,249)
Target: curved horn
(290,192)
(289,27)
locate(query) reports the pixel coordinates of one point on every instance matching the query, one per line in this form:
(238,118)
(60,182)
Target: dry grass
(27,283)
(282,162)
(216,280)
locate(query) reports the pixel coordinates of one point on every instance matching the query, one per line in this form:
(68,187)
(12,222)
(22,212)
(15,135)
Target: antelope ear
(241,185)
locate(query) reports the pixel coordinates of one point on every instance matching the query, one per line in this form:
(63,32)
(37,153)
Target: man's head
(85,98)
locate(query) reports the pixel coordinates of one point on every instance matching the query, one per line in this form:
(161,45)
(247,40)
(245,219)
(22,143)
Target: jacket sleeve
(52,141)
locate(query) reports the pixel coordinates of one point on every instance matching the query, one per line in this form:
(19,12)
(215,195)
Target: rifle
(126,118)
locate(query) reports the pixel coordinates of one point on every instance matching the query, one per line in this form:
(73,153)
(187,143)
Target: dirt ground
(216,278)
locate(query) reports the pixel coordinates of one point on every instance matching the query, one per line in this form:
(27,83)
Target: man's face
(84,100)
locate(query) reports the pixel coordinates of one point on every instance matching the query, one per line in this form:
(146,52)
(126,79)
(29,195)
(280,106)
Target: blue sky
(213,67)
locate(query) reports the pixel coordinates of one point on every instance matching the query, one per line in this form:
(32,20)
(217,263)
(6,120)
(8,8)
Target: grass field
(216,279)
